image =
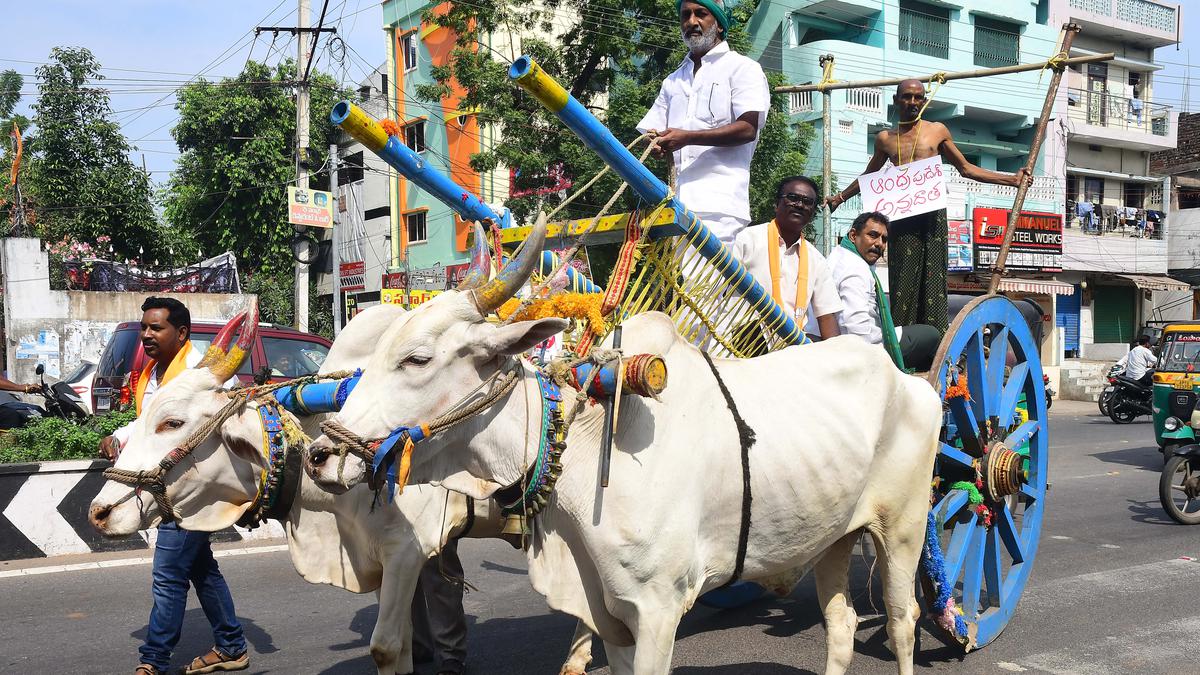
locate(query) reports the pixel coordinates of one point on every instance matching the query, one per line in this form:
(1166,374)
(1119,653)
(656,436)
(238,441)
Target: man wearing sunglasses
(707,116)
(780,259)
(917,252)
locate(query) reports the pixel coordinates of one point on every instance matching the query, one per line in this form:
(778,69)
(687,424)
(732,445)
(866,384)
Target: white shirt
(194,357)
(1139,360)
(856,287)
(728,85)
(750,248)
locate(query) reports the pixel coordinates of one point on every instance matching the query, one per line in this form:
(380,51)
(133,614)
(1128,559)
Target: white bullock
(844,443)
(339,540)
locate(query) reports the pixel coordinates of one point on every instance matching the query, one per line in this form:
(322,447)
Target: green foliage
(613,59)
(54,438)
(237,139)
(277,304)
(79,176)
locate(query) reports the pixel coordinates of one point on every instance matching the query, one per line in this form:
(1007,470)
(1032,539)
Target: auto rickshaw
(1176,393)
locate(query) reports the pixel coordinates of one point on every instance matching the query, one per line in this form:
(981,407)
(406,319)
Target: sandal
(216,660)
(147,669)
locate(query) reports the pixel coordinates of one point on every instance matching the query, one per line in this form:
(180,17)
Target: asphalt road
(1113,590)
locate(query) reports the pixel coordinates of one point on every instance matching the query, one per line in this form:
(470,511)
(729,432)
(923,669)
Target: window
(1093,189)
(351,169)
(846,126)
(417,231)
(1135,84)
(408,45)
(414,136)
(289,357)
(997,43)
(924,29)
(1135,195)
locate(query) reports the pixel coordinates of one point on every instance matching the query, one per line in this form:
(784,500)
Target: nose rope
(348,442)
(154,480)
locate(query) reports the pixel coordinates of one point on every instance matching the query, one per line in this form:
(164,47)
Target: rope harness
(154,480)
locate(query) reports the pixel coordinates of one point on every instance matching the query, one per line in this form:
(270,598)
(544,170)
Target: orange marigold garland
(577,306)
(390,127)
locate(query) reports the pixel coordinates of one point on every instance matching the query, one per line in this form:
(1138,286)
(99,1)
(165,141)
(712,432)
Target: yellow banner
(395,296)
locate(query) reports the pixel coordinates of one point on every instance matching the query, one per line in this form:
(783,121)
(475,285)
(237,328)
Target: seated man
(1140,361)
(865,310)
(792,269)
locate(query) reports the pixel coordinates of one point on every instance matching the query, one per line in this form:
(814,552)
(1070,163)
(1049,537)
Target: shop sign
(310,208)
(960,256)
(1036,244)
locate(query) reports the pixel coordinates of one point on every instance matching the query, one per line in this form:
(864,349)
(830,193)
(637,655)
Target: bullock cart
(987,494)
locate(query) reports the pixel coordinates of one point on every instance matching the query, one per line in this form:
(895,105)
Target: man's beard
(704,42)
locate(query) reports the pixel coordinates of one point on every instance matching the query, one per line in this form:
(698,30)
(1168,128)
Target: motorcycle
(1130,399)
(1110,389)
(1049,391)
(61,401)
(1179,485)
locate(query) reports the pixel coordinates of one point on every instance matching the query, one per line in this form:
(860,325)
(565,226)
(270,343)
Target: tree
(11,83)
(79,176)
(612,58)
(237,139)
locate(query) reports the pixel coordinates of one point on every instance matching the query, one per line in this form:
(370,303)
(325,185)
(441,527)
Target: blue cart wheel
(989,483)
(738,594)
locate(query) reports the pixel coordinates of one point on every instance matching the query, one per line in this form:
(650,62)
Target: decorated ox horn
(224,359)
(481,261)
(495,292)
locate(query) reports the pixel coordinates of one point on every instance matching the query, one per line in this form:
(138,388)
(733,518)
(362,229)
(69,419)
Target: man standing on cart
(917,247)
(708,114)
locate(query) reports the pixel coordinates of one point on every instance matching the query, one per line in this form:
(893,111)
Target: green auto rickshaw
(1176,394)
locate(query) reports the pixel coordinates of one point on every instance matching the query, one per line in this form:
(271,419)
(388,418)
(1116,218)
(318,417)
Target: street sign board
(310,208)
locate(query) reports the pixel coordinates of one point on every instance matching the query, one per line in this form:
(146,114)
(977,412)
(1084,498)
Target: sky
(149,48)
(1178,83)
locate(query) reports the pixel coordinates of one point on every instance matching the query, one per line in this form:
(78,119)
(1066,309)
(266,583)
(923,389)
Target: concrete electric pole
(302,32)
(301,295)
(335,248)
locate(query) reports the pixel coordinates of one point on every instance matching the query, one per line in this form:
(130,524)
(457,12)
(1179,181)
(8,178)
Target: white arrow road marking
(33,511)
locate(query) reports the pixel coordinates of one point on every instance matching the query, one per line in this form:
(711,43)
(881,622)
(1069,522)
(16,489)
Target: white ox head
(210,488)
(444,350)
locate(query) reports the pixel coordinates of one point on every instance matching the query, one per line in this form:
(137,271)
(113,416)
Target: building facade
(1118,215)
(991,119)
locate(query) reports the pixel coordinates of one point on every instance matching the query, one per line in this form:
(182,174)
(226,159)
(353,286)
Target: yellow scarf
(177,366)
(801,271)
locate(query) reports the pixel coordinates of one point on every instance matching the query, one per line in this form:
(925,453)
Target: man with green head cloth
(708,114)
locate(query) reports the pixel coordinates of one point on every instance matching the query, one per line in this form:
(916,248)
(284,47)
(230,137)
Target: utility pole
(302,31)
(301,296)
(335,251)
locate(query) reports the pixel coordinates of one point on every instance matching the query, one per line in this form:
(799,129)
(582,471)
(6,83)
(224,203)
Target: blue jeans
(182,557)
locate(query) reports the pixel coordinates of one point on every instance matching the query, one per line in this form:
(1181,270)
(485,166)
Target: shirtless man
(917,244)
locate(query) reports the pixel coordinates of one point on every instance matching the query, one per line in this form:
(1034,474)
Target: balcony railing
(1103,109)
(1117,221)
(924,34)
(800,102)
(869,100)
(996,48)
(1141,12)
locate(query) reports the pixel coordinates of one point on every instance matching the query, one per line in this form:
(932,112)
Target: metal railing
(996,48)
(869,100)
(1103,109)
(924,34)
(1117,221)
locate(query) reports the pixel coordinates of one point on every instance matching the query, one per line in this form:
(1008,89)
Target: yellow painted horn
(494,293)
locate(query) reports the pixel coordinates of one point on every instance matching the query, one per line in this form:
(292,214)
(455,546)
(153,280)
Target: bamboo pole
(826,158)
(1068,36)
(962,75)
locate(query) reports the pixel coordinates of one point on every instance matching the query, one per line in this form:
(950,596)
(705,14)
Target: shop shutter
(1067,317)
(1113,309)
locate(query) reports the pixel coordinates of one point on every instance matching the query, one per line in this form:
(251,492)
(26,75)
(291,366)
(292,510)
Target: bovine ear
(520,336)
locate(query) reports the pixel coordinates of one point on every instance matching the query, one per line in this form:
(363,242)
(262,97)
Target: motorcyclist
(8,385)
(1139,363)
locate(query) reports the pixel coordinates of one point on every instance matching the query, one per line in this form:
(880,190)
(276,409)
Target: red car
(285,351)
